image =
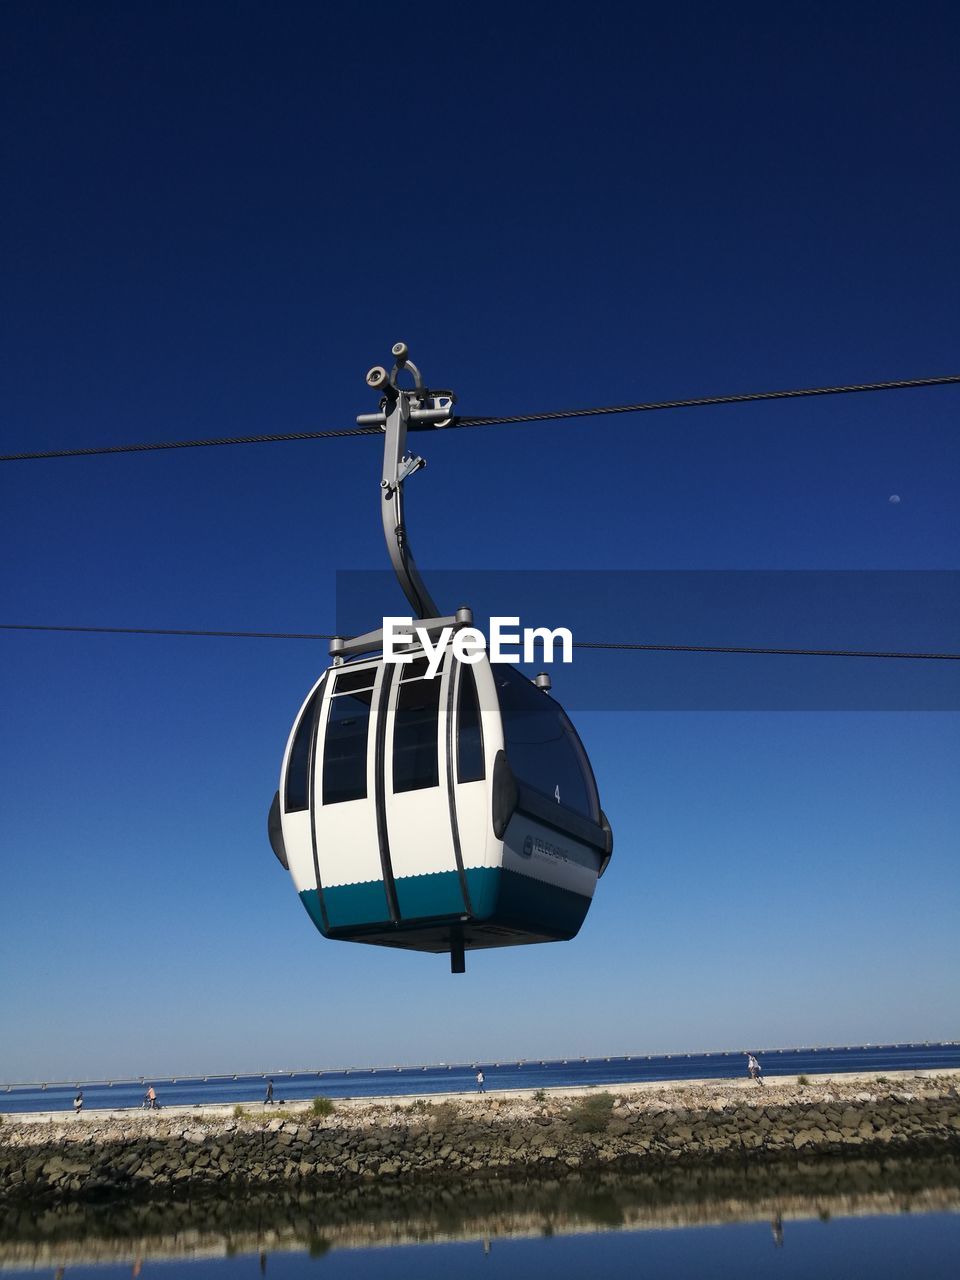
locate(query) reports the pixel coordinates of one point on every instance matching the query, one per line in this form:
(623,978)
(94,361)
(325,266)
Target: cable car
(441,814)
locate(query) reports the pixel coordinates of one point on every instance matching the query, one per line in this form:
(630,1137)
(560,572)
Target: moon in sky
(895,499)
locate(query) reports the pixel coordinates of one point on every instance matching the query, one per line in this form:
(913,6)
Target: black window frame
(512,676)
(300,760)
(414,751)
(468,677)
(347,685)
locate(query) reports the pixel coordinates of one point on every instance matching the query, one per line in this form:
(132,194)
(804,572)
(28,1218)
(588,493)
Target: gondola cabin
(438,815)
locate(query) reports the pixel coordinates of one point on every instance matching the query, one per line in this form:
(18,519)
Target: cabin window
(296,792)
(542,745)
(345,742)
(469,730)
(415,762)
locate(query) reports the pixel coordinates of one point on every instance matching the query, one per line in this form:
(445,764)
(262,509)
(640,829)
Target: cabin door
(416,791)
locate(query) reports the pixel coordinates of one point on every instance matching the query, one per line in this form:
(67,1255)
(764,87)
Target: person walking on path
(753,1067)
(152,1099)
(78,1102)
(480,1088)
(269,1097)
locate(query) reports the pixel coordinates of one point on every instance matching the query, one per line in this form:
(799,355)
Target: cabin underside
(489,907)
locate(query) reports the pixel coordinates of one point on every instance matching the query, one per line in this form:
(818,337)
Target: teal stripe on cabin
(436,894)
(483,885)
(311,900)
(502,898)
(439,893)
(348,904)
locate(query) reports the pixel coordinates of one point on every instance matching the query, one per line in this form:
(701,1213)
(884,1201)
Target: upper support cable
(424,419)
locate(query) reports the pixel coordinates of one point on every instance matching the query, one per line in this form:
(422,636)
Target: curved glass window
(469,730)
(542,745)
(415,760)
(345,742)
(296,790)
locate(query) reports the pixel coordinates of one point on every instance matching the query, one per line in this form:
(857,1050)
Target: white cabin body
(442,814)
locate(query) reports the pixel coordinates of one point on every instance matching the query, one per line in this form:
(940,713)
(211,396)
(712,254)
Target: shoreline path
(776,1089)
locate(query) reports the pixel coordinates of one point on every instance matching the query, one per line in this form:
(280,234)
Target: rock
(513,1135)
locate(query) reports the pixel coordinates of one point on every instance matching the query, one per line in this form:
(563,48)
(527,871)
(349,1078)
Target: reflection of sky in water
(874,1248)
(848,1218)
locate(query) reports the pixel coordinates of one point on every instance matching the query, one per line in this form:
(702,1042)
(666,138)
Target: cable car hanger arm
(401,409)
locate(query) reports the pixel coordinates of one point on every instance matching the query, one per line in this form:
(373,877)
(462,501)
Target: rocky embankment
(402,1140)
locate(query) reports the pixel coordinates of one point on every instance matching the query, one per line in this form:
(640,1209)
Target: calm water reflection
(851,1219)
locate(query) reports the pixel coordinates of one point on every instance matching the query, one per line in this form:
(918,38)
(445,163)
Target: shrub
(883,1079)
(446,1113)
(438,1112)
(238,1112)
(802,1081)
(592,1114)
(539,1095)
(322,1107)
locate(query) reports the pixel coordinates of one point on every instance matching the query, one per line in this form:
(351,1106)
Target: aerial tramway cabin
(442,814)
(445,813)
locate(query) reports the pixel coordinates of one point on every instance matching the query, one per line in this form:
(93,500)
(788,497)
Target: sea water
(365,1082)
(851,1219)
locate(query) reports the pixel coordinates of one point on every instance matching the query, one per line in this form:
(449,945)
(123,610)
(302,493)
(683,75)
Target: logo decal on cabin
(548,850)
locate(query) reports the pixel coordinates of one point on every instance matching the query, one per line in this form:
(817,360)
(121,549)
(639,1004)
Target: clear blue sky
(215,218)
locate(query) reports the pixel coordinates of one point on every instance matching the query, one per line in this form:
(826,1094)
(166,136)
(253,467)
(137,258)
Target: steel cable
(610,645)
(556,415)
(700,401)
